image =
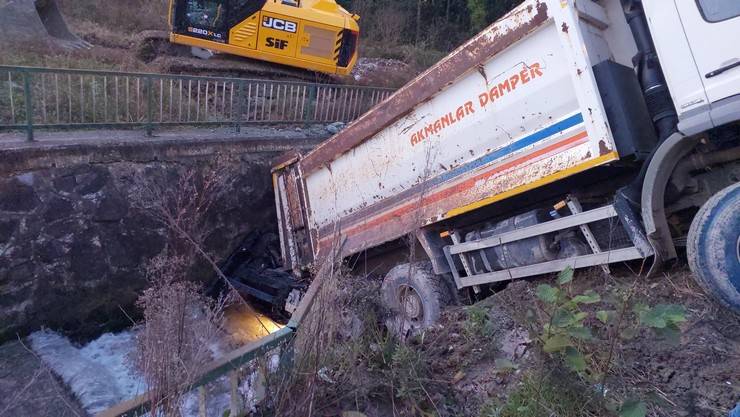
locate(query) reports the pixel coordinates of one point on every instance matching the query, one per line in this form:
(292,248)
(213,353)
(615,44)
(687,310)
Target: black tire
(415,296)
(713,247)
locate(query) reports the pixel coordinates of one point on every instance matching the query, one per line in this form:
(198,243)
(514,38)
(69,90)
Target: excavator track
(153,47)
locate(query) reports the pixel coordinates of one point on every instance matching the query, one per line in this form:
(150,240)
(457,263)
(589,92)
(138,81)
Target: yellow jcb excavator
(317,35)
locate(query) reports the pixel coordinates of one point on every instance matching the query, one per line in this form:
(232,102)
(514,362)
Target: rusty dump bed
(514,108)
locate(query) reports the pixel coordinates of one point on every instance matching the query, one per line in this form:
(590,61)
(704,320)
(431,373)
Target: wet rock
(51,251)
(62,228)
(92,181)
(7,228)
(58,208)
(65,183)
(12,298)
(21,251)
(335,128)
(87,259)
(112,208)
(17,196)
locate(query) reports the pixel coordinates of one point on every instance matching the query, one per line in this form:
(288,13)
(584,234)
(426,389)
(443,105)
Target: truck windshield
(719,10)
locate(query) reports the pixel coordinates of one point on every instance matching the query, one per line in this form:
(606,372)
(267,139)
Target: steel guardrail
(55,99)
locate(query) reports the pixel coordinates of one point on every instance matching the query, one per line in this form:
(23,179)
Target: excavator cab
(316,35)
(208,14)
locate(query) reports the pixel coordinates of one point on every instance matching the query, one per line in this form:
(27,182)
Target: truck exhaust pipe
(655,91)
(649,71)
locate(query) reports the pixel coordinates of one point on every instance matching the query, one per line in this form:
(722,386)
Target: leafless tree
(180,322)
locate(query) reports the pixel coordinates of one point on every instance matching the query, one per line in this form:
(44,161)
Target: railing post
(312,91)
(234,400)
(29,105)
(149,106)
(202,401)
(239,108)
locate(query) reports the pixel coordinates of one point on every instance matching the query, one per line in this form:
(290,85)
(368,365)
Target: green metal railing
(229,366)
(46,98)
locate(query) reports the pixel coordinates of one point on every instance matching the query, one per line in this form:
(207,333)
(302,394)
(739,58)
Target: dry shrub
(181,323)
(128,15)
(180,327)
(388,21)
(345,359)
(295,391)
(298,390)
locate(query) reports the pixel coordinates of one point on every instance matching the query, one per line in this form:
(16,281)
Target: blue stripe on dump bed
(535,137)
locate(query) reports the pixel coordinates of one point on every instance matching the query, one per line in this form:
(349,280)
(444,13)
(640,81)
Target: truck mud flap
(632,225)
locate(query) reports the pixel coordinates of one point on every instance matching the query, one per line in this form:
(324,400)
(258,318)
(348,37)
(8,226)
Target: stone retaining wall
(71,243)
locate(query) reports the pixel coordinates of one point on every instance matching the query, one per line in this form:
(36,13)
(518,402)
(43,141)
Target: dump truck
(568,133)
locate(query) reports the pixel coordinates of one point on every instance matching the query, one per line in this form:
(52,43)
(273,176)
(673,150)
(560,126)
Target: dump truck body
(483,156)
(516,107)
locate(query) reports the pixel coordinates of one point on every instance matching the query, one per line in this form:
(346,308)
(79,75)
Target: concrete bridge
(72,242)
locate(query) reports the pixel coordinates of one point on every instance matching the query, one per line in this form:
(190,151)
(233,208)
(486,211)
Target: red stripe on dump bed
(463,185)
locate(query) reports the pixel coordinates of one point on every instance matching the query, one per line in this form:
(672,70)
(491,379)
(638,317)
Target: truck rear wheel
(415,296)
(713,247)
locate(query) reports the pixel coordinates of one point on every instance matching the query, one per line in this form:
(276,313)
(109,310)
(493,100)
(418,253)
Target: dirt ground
(479,357)
(698,377)
(28,388)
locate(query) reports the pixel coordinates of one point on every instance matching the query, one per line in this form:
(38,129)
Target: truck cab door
(712,28)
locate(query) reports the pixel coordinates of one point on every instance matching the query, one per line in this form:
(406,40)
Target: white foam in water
(112,351)
(100,376)
(95,373)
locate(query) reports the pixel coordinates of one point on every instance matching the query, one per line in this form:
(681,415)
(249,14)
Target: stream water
(100,374)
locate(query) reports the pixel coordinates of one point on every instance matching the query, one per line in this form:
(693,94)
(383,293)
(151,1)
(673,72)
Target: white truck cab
(698,43)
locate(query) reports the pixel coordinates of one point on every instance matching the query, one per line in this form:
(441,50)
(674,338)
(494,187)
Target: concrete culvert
(37,21)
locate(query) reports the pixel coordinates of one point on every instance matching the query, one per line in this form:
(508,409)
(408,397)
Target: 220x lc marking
(205,32)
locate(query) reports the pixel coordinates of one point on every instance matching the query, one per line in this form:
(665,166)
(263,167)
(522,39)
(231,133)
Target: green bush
(585,338)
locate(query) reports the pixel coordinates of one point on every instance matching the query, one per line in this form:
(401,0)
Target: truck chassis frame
(578,218)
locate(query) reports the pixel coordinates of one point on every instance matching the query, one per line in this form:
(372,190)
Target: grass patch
(554,395)
(61,60)
(129,16)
